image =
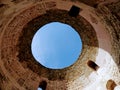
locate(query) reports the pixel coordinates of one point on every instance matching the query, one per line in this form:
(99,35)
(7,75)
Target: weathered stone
(98,27)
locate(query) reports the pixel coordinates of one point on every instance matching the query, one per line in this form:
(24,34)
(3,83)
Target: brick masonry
(21,19)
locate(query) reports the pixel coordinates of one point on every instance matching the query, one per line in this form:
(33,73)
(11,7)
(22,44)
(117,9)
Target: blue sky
(56,45)
(39,89)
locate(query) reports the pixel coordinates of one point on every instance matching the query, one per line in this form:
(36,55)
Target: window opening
(74,11)
(92,65)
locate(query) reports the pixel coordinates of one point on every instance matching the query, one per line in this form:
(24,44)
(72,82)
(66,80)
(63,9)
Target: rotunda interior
(96,21)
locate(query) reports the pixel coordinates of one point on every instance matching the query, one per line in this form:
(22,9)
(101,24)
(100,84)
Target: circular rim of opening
(80,51)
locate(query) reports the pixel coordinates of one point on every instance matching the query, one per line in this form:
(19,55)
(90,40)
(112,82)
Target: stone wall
(98,27)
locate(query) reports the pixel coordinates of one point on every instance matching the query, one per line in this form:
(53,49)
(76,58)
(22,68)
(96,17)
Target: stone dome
(96,21)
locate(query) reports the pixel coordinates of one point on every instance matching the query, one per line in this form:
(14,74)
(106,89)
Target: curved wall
(20,20)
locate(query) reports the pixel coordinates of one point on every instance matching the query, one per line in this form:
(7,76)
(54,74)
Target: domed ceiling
(98,24)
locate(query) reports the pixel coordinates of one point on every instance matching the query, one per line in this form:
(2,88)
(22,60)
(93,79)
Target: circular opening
(56,45)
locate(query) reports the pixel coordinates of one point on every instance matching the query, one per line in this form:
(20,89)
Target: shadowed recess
(42,85)
(74,11)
